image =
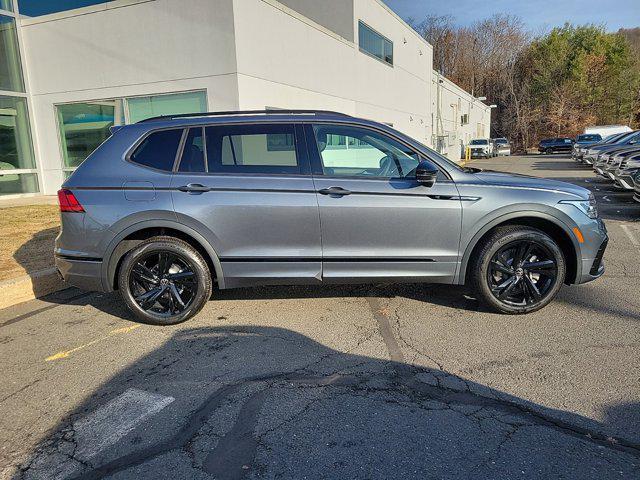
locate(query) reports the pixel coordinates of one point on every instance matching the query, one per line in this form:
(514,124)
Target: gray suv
(168,207)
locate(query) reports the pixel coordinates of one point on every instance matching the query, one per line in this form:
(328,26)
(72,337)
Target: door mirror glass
(426,173)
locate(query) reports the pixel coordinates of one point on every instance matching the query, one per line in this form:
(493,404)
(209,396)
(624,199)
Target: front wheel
(164,281)
(549,151)
(517,269)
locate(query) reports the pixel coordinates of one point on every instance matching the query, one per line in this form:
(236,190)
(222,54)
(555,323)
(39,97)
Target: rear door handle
(338,191)
(194,188)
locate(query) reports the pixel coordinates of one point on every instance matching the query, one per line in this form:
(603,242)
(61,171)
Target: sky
(538,15)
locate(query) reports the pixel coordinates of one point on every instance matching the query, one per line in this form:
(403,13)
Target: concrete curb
(27,287)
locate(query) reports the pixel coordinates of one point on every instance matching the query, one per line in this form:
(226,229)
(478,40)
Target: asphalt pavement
(357,382)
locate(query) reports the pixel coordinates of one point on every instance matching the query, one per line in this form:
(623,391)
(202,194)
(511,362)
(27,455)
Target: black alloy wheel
(517,269)
(549,151)
(164,281)
(522,273)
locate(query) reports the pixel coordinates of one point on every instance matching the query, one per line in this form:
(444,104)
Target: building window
(6,5)
(374,44)
(83,127)
(10,68)
(140,108)
(464,119)
(17,163)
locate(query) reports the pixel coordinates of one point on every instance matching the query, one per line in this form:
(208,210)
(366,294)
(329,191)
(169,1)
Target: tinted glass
(141,108)
(6,5)
(10,68)
(252,149)
(479,142)
(375,44)
(83,127)
(158,150)
(193,155)
(353,151)
(16,150)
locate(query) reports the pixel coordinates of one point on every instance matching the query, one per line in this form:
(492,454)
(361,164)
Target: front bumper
(79,272)
(596,240)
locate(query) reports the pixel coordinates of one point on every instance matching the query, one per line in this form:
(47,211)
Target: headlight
(588,207)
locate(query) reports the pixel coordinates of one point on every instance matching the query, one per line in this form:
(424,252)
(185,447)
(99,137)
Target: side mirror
(426,173)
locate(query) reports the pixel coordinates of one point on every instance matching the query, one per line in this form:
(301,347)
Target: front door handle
(194,188)
(338,191)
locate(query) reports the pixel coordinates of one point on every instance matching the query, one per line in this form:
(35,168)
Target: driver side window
(354,151)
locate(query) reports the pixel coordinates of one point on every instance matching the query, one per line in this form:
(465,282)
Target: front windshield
(589,137)
(502,141)
(479,142)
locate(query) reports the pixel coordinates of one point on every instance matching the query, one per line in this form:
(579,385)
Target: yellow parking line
(66,353)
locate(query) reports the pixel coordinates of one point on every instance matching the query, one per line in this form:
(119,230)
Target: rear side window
(252,149)
(194,155)
(158,150)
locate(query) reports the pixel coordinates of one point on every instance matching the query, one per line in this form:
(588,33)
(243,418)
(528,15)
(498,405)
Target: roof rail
(240,112)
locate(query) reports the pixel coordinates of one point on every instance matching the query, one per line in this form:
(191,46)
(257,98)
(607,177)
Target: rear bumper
(82,273)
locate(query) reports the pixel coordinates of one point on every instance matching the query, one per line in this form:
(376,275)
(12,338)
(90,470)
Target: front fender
(473,234)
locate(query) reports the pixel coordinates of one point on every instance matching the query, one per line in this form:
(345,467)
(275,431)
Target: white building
(67,77)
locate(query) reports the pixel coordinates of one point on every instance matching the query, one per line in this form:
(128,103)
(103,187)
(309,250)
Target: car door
(249,190)
(377,221)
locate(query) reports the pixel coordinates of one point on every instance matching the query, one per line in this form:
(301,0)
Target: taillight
(68,201)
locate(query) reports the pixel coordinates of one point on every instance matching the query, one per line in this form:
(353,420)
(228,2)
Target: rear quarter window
(158,150)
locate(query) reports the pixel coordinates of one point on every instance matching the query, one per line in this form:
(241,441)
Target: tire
(490,277)
(164,281)
(549,151)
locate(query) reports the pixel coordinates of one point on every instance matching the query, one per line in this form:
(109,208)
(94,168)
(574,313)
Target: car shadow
(450,296)
(251,401)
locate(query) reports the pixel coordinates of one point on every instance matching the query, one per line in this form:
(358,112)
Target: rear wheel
(164,281)
(517,269)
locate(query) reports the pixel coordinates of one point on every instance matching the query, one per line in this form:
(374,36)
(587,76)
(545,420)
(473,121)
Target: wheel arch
(544,222)
(136,233)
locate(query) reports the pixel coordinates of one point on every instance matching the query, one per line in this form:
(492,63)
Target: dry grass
(26,239)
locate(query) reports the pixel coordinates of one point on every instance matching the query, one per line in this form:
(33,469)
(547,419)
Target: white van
(607,130)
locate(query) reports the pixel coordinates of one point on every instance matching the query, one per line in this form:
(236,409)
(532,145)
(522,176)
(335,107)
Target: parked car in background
(502,146)
(593,153)
(612,159)
(629,167)
(607,130)
(581,151)
(636,187)
(481,147)
(167,207)
(555,145)
(583,140)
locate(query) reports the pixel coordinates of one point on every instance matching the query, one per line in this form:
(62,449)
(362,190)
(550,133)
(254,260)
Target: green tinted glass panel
(16,150)
(13,183)
(6,5)
(83,127)
(171,104)
(10,69)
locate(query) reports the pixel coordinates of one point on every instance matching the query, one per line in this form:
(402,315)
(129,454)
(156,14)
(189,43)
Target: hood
(525,181)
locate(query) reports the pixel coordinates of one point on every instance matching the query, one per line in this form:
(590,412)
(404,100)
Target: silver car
(169,207)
